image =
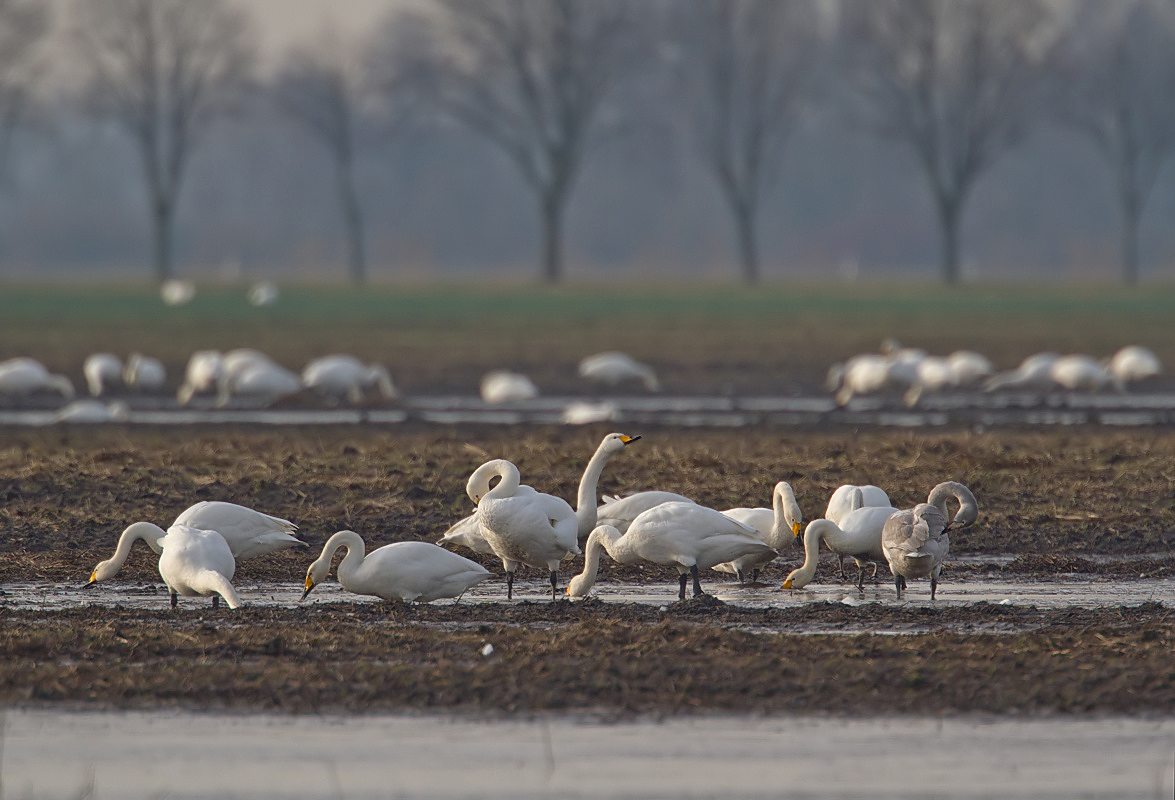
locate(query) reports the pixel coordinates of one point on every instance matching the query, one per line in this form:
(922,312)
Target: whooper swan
(197,563)
(777,526)
(858,536)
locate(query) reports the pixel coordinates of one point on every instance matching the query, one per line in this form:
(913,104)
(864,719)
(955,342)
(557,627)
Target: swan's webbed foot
(682,579)
(693,570)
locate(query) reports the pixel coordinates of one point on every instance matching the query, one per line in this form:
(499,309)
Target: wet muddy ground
(1085,502)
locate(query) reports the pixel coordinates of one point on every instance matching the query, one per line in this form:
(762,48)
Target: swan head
(795,580)
(615,442)
(791,509)
(315,574)
(103,572)
(478,485)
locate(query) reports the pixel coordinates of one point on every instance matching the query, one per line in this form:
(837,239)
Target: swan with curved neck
(197,563)
(968,511)
(860,538)
(407,571)
(149,532)
(467,531)
(686,536)
(522,526)
(849,498)
(777,526)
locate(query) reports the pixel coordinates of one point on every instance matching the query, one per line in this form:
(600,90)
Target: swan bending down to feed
(845,500)
(25,376)
(103,372)
(467,532)
(406,571)
(612,368)
(197,563)
(520,525)
(248,533)
(858,536)
(144,373)
(503,386)
(915,541)
(342,375)
(687,536)
(776,526)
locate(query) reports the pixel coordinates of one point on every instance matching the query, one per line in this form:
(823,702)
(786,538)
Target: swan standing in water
(858,536)
(407,571)
(197,563)
(844,500)
(619,512)
(522,526)
(248,534)
(346,376)
(25,376)
(916,543)
(687,536)
(612,368)
(776,526)
(467,532)
(103,372)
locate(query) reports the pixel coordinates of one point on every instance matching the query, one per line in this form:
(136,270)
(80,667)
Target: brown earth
(1054,499)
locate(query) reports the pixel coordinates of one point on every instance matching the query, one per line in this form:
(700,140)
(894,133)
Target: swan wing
(620,512)
(249,533)
(415,571)
(466,532)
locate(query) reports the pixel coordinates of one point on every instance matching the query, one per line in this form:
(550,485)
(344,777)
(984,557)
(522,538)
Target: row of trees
(958,82)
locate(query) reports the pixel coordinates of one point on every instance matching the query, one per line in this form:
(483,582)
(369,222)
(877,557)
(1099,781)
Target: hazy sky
(285,22)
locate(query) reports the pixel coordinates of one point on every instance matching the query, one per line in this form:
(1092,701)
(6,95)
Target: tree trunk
(552,237)
(162,223)
(353,222)
(948,223)
(748,245)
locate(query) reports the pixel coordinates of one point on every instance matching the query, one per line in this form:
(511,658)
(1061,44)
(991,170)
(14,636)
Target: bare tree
(1120,77)
(747,65)
(23,25)
(954,80)
(324,89)
(165,70)
(532,76)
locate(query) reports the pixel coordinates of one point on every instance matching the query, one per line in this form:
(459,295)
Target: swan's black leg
(174,599)
(509,585)
(933,586)
(755,576)
(840,562)
(681,592)
(693,570)
(216,601)
(860,578)
(554,585)
(897,582)
(742,576)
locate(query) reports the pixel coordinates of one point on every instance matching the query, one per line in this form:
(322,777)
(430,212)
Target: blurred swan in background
(25,376)
(1034,373)
(407,571)
(247,373)
(103,371)
(1082,373)
(612,368)
(503,386)
(92,412)
(176,292)
(263,293)
(346,376)
(144,373)
(870,373)
(1134,363)
(201,375)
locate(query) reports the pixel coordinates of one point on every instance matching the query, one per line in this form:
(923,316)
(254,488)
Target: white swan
(870,374)
(346,376)
(522,526)
(176,292)
(1034,373)
(1083,373)
(25,376)
(612,368)
(264,382)
(619,512)
(858,536)
(503,386)
(970,368)
(407,571)
(92,411)
(845,500)
(687,536)
(201,375)
(916,543)
(1134,363)
(197,563)
(144,373)
(263,293)
(777,526)
(467,532)
(102,371)
(248,533)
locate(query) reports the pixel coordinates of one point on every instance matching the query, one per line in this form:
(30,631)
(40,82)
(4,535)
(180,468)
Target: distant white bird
(346,376)
(522,526)
(585,413)
(612,368)
(1082,373)
(144,373)
(1134,363)
(247,532)
(970,368)
(1033,374)
(407,571)
(24,376)
(176,292)
(619,512)
(777,526)
(259,381)
(263,293)
(686,536)
(503,386)
(202,375)
(103,372)
(869,373)
(197,563)
(92,412)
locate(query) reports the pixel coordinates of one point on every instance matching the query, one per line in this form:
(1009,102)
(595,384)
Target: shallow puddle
(182,755)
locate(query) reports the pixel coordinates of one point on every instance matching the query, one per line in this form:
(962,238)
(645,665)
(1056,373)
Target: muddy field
(1051,502)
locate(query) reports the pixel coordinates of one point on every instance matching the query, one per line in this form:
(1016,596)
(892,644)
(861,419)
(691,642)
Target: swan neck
(149,532)
(354,556)
(509,483)
(591,562)
(585,509)
(812,538)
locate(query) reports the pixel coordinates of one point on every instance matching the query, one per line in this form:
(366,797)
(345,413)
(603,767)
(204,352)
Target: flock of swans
(521,526)
(914,373)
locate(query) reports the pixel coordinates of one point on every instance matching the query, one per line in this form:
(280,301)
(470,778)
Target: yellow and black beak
(796,528)
(787,584)
(309,586)
(93,580)
(628,439)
